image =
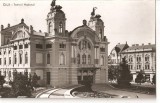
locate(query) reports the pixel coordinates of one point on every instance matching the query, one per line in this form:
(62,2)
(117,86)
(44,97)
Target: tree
(2,81)
(139,77)
(34,81)
(125,76)
(113,72)
(20,86)
(154,79)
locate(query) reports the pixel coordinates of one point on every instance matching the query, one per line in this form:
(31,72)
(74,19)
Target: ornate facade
(59,57)
(141,57)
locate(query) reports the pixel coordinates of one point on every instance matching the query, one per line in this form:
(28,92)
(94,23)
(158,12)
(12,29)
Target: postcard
(78,49)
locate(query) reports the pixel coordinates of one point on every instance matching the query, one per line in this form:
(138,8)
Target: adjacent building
(59,57)
(114,57)
(141,57)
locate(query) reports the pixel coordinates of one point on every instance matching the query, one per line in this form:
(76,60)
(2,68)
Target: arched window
(4,61)
(146,58)
(138,58)
(83,59)
(20,58)
(147,63)
(62,59)
(130,59)
(80,45)
(100,33)
(26,58)
(84,44)
(50,27)
(15,59)
(48,58)
(60,27)
(102,61)
(89,46)
(89,59)
(78,59)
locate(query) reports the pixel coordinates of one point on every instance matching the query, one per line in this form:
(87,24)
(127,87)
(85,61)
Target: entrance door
(48,78)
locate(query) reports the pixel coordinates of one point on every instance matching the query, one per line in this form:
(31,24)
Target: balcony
(88,66)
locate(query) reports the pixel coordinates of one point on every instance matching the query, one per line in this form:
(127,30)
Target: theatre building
(59,57)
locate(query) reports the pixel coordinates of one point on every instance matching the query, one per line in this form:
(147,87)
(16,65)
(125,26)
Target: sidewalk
(106,88)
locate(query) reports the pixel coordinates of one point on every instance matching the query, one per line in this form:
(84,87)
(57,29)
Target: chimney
(22,20)
(8,25)
(31,29)
(142,44)
(149,43)
(118,43)
(84,22)
(2,27)
(40,31)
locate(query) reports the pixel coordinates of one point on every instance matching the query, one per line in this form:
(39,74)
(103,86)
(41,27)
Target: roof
(135,48)
(38,33)
(120,47)
(15,26)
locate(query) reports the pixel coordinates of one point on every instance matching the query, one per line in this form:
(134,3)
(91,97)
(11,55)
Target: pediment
(20,34)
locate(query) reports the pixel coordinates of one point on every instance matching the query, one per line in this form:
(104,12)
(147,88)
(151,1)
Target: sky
(131,21)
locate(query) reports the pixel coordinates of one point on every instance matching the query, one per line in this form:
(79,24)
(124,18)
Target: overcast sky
(125,20)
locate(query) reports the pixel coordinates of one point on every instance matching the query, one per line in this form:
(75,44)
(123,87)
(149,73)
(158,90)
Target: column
(18,60)
(72,52)
(98,52)
(95,53)
(29,54)
(23,56)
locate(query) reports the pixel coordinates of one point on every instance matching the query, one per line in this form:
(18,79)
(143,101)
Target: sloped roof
(15,26)
(120,47)
(150,47)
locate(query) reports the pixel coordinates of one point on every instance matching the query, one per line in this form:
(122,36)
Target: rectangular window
(20,58)
(9,60)
(4,73)
(39,46)
(15,59)
(4,61)
(62,45)
(15,47)
(48,78)
(26,58)
(26,46)
(20,46)
(48,46)
(48,58)
(0,61)
(102,49)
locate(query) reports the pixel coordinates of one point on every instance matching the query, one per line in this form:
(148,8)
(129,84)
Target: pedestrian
(137,96)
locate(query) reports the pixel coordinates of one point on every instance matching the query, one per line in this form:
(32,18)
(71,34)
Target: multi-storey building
(141,57)
(114,57)
(59,57)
